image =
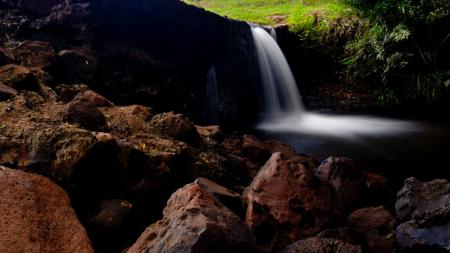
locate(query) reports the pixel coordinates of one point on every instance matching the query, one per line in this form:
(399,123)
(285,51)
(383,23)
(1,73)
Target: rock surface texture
(36,216)
(195,221)
(425,208)
(287,202)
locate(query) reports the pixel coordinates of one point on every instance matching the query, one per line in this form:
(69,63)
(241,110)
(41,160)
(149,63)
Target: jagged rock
(416,198)
(84,113)
(195,221)
(228,198)
(427,206)
(347,178)
(346,234)
(6,92)
(378,225)
(321,245)
(176,126)
(28,53)
(287,202)
(36,216)
(39,7)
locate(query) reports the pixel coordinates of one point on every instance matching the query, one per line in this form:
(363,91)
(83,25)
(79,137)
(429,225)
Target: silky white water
(210,110)
(284,110)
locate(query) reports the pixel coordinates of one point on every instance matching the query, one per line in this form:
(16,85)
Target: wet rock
(413,238)
(347,179)
(347,235)
(6,92)
(36,216)
(177,126)
(321,245)
(84,113)
(378,225)
(195,221)
(416,197)
(28,53)
(427,206)
(286,202)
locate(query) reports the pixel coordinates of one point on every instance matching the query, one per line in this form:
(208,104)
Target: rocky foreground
(79,172)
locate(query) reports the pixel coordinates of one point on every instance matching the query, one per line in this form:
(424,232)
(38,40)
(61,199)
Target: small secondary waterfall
(210,110)
(284,110)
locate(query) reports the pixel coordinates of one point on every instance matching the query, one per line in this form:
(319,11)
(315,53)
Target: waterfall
(210,111)
(283,106)
(281,94)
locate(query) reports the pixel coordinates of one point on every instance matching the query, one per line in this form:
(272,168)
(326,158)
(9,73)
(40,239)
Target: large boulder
(321,245)
(36,216)
(425,208)
(195,221)
(378,225)
(347,178)
(287,202)
(18,77)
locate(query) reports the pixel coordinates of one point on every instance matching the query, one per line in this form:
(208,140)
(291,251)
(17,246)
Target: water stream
(403,145)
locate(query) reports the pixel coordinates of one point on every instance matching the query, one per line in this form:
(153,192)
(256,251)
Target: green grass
(272,12)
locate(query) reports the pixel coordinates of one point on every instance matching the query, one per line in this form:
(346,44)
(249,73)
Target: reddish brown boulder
(286,202)
(36,216)
(127,120)
(85,113)
(378,225)
(348,180)
(195,221)
(321,245)
(177,126)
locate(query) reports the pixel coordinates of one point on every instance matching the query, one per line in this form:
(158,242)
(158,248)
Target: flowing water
(400,144)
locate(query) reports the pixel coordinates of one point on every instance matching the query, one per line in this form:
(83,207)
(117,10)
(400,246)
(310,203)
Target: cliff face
(155,52)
